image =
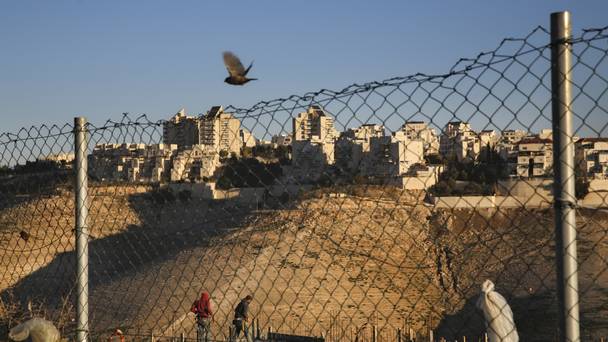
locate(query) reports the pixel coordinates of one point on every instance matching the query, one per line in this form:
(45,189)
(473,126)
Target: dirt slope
(316,265)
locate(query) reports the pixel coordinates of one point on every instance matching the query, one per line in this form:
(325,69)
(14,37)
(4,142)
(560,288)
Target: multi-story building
(220,131)
(419,130)
(507,147)
(459,141)
(534,157)
(467,146)
(157,161)
(281,140)
(216,128)
(392,156)
(195,163)
(313,141)
(488,141)
(314,124)
(247,139)
(592,158)
(182,130)
(353,146)
(512,136)
(132,162)
(546,133)
(488,137)
(62,160)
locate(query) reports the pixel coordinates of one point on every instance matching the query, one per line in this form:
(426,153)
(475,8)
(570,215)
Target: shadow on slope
(168,226)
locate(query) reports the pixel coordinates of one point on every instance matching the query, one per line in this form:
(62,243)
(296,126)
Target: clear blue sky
(60,59)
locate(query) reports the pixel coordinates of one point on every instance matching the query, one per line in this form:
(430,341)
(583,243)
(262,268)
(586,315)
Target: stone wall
(460,202)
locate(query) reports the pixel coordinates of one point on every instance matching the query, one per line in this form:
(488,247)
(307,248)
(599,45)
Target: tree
(282,153)
(247,152)
(247,172)
(263,151)
(581,188)
(434,159)
(581,185)
(482,175)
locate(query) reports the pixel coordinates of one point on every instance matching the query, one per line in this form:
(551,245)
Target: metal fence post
(82,233)
(564,182)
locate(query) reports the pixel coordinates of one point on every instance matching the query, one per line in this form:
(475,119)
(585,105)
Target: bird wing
(233,64)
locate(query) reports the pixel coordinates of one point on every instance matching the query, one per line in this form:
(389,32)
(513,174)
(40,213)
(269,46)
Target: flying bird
(238,73)
(497,314)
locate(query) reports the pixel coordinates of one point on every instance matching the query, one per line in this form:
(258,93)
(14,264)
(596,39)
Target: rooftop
(534,140)
(214,111)
(592,140)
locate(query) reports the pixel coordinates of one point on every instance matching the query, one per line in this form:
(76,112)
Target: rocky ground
(318,264)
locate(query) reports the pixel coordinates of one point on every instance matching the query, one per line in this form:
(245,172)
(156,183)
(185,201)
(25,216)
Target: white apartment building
(313,140)
(220,131)
(353,146)
(507,147)
(195,164)
(419,130)
(512,136)
(182,130)
(63,160)
(247,139)
(460,141)
(592,158)
(131,162)
(392,156)
(534,157)
(488,140)
(467,146)
(488,137)
(314,125)
(546,133)
(281,140)
(216,128)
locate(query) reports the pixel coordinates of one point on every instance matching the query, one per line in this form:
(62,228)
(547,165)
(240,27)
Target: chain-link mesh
(374,213)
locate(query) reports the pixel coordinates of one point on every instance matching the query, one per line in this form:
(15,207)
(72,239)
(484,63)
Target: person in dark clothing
(241,317)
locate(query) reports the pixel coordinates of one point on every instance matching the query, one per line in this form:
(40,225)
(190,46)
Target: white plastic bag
(39,329)
(498,315)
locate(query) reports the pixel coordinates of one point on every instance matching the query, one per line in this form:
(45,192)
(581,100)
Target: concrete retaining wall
(597,199)
(418,183)
(534,192)
(598,185)
(453,202)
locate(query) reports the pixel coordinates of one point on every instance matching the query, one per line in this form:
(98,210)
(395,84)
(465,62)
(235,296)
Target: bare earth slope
(319,265)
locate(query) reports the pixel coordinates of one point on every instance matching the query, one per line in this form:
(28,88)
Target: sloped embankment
(356,258)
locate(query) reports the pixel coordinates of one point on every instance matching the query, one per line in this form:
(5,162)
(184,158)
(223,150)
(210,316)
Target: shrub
(247,172)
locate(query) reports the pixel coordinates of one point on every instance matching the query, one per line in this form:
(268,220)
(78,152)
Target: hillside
(316,264)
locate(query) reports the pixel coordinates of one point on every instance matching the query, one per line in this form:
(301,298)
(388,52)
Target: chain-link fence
(374,213)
